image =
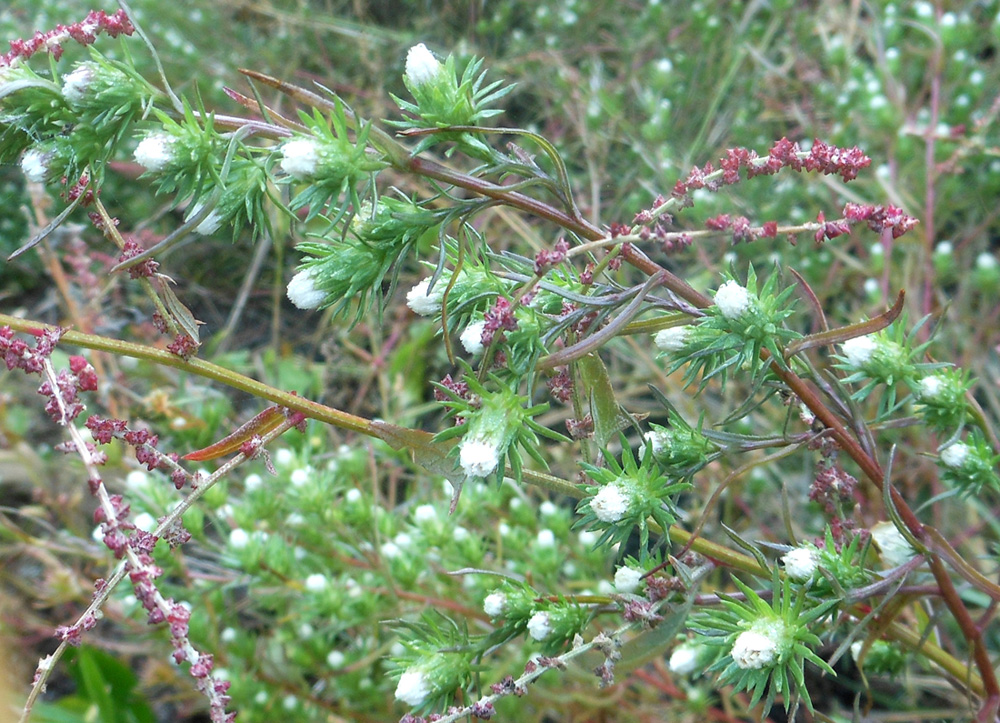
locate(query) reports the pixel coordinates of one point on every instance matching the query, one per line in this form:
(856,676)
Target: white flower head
(494,604)
(145,521)
(610,504)
(413,687)
(627,579)
(390,550)
(472,337)
(302,290)
(540,626)
(986,261)
(929,387)
(300,158)
(424,302)
(753,650)
(336,659)
(954,455)
(546,538)
(801,563)
(732,299)
(672,339)
(895,549)
(859,350)
(660,441)
(316,582)
(684,659)
(35,165)
(75,85)
(478,457)
(155,152)
(421,66)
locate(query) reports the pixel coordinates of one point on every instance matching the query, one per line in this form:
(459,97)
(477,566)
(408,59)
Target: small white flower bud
(238,539)
(425,513)
(753,651)
(477,457)
(494,604)
(155,152)
(684,659)
(801,563)
(540,626)
(610,504)
(336,659)
(472,337)
(732,299)
(421,66)
(954,455)
(859,350)
(672,339)
(627,580)
(929,387)
(423,302)
(413,687)
(300,158)
(35,165)
(546,538)
(390,550)
(75,85)
(302,290)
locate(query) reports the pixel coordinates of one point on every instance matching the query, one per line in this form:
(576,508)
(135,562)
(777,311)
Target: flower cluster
(765,646)
(627,496)
(84,32)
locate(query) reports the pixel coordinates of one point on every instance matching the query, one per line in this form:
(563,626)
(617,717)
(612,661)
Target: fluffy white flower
(137,479)
(494,604)
(660,441)
(145,521)
(413,688)
(472,337)
(627,580)
(74,88)
(801,563)
(732,299)
(672,339)
(252,482)
(895,549)
(421,65)
(299,476)
(390,550)
(546,538)
(954,455)
(540,626)
(423,302)
(477,457)
(316,582)
(929,387)
(859,350)
(684,659)
(300,158)
(610,504)
(753,651)
(35,165)
(547,509)
(302,290)
(336,659)
(155,152)
(986,261)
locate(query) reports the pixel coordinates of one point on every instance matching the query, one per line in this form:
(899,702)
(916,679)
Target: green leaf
(604,408)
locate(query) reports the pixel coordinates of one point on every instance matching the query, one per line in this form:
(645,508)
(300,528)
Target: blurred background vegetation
(633,94)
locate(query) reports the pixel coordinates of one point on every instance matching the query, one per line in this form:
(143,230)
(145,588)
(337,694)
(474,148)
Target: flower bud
(672,339)
(859,350)
(156,152)
(733,300)
(753,650)
(413,687)
(610,503)
(421,66)
(627,579)
(424,302)
(302,290)
(801,563)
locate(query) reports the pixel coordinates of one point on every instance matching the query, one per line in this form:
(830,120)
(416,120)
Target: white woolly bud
(859,350)
(300,158)
(672,339)
(954,455)
(610,503)
(929,387)
(472,337)
(753,650)
(895,549)
(316,582)
(732,299)
(155,152)
(423,302)
(801,563)
(421,66)
(76,84)
(35,165)
(477,457)
(540,626)
(684,659)
(302,290)
(494,604)
(413,687)
(627,580)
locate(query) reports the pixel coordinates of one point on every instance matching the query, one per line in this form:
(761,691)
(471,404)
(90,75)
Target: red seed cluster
(84,32)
